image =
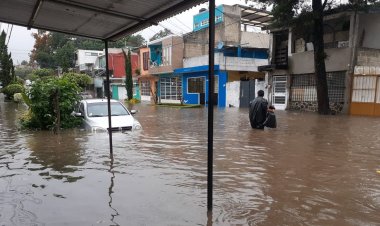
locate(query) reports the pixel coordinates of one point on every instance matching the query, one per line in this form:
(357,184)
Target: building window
(145,88)
(171,88)
(145,61)
(90,54)
(304,87)
(204,23)
(196,85)
(167,56)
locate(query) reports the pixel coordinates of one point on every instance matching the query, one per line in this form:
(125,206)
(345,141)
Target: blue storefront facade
(195,85)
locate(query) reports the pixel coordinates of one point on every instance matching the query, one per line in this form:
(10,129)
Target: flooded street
(311,170)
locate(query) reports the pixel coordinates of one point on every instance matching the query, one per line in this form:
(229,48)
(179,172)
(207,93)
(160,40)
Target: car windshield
(101,109)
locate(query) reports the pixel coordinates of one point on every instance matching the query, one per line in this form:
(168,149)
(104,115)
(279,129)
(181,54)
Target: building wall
(369,30)
(368,57)
(177,52)
(193,98)
(227,63)
(86,57)
(254,40)
(233,93)
(116,62)
(141,61)
(203,16)
(227,32)
(337,60)
(176,44)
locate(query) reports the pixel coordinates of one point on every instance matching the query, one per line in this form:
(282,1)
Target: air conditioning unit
(343,44)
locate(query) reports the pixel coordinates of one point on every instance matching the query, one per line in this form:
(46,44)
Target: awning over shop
(100,19)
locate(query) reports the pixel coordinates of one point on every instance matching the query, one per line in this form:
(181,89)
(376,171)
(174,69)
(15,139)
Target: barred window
(336,85)
(304,87)
(145,61)
(145,88)
(171,88)
(196,85)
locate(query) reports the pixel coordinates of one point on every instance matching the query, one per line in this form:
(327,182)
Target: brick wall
(368,57)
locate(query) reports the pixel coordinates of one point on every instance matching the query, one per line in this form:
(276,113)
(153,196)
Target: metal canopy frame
(98,15)
(98,19)
(255,17)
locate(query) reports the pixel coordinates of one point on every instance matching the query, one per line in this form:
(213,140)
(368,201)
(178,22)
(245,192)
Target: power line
(183,23)
(9,37)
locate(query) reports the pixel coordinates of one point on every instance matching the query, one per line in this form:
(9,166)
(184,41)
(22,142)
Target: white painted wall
(86,57)
(145,98)
(254,40)
(233,93)
(226,63)
(122,93)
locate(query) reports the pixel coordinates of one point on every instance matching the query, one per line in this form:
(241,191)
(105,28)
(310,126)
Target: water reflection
(110,191)
(56,156)
(311,170)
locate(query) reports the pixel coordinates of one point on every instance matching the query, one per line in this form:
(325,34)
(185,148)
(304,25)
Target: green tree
(65,56)
(82,80)
(161,34)
(51,102)
(7,74)
(41,73)
(53,49)
(128,74)
(23,73)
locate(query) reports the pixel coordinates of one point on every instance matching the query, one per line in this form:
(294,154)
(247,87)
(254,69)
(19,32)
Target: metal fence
(304,87)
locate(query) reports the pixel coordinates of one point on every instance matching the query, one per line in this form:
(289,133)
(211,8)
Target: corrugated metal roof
(100,19)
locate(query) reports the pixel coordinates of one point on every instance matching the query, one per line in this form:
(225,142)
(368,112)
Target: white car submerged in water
(95,115)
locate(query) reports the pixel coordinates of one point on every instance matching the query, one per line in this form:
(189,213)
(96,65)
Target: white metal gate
(365,98)
(279,92)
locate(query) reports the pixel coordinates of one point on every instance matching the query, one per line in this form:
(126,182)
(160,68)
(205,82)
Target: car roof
(98,101)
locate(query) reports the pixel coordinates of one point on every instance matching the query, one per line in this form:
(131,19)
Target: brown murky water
(311,170)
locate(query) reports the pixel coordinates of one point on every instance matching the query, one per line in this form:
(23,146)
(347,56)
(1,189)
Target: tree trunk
(319,59)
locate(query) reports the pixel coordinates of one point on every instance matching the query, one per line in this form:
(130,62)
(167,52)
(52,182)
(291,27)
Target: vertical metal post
(108,98)
(210,136)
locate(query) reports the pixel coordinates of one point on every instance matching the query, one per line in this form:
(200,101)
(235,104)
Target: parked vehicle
(95,115)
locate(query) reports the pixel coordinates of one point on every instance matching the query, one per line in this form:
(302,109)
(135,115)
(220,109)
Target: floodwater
(311,170)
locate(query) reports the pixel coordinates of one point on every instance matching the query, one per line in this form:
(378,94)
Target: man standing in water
(258,111)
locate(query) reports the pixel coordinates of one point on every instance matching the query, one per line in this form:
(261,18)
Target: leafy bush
(82,80)
(11,89)
(17,97)
(40,73)
(133,101)
(43,95)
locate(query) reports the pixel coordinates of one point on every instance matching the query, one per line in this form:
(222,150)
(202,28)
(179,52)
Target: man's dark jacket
(257,112)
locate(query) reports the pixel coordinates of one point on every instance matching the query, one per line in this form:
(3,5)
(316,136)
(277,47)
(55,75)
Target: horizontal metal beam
(33,17)
(171,11)
(96,9)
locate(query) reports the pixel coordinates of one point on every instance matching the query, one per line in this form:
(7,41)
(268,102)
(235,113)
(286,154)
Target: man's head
(260,93)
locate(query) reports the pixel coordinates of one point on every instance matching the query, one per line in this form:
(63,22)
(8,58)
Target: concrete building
(85,59)
(239,52)
(148,83)
(166,54)
(352,53)
(116,67)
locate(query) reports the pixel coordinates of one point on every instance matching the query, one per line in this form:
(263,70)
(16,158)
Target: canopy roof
(255,17)
(100,19)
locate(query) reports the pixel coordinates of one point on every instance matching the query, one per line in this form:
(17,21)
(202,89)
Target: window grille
(145,88)
(171,88)
(304,87)
(196,85)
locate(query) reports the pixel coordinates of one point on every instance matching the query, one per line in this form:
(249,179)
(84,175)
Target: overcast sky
(21,41)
